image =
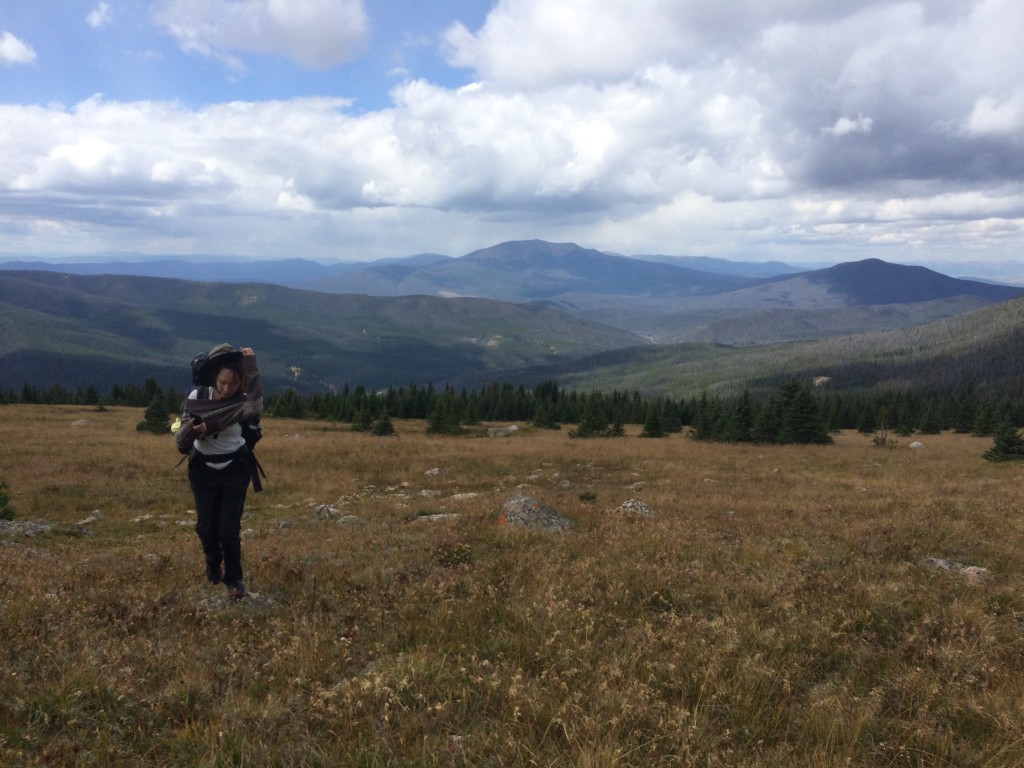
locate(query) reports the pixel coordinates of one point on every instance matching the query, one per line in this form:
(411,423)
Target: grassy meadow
(775,611)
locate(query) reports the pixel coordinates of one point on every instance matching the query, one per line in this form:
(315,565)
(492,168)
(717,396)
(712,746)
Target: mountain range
(515,311)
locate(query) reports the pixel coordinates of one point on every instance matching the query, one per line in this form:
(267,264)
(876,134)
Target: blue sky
(127,52)
(809,131)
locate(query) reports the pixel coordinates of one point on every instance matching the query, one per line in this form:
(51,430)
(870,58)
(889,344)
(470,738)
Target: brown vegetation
(774,611)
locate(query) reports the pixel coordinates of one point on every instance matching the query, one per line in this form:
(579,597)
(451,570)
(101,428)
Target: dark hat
(205,366)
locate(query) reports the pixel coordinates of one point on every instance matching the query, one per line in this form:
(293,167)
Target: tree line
(796,412)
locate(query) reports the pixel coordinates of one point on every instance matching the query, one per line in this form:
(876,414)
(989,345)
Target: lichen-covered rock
(525,512)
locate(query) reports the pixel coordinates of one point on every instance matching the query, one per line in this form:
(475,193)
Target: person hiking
(217,429)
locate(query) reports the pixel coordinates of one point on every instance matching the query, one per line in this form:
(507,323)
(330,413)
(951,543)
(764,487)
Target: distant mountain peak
(874,281)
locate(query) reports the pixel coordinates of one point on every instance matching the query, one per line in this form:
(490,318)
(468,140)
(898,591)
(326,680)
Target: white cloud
(759,130)
(100,16)
(847,125)
(14,51)
(317,34)
(993,115)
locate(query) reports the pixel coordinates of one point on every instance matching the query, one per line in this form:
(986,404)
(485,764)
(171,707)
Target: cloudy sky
(809,131)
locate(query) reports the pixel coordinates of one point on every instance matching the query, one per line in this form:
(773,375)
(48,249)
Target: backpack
(252,433)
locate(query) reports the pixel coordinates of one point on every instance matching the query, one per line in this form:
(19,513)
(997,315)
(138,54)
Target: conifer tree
(931,417)
(673,417)
(446,416)
(543,417)
(383,427)
(618,426)
(868,421)
(154,420)
(768,422)
(704,419)
(741,420)
(802,422)
(985,419)
(654,424)
(1008,445)
(362,421)
(966,410)
(594,422)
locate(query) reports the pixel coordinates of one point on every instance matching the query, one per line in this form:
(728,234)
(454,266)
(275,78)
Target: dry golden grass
(775,612)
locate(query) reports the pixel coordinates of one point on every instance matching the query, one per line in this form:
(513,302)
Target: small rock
(970,572)
(916,445)
(325,512)
(635,508)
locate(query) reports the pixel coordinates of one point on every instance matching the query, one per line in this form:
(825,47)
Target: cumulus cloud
(14,51)
(846,125)
(994,115)
(100,16)
(317,34)
(751,129)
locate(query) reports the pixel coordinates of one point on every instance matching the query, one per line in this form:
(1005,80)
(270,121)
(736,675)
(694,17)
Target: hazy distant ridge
(522,310)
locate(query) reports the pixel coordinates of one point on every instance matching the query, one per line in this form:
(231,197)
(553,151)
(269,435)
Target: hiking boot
(213,573)
(236,590)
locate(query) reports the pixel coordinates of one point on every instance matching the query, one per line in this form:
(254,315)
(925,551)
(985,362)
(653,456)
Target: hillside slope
(104,330)
(984,348)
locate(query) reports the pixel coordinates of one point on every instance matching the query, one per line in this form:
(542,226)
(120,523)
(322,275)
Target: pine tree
(802,422)
(594,422)
(654,423)
(154,420)
(446,417)
(362,421)
(383,427)
(768,422)
(965,410)
(288,405)
(931,417)
(868,421)
(618,427)
(704,419)
(673,417)
(985,420)
(543,417)
(1008,445)
(741,421)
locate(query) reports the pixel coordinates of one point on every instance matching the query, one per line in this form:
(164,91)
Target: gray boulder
(525,512)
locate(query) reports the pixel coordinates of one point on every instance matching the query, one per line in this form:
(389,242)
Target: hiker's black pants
(220,501)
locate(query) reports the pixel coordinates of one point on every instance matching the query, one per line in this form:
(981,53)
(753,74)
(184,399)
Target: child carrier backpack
(204,368)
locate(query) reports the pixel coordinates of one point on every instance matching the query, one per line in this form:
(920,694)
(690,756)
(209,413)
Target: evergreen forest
(794,413)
